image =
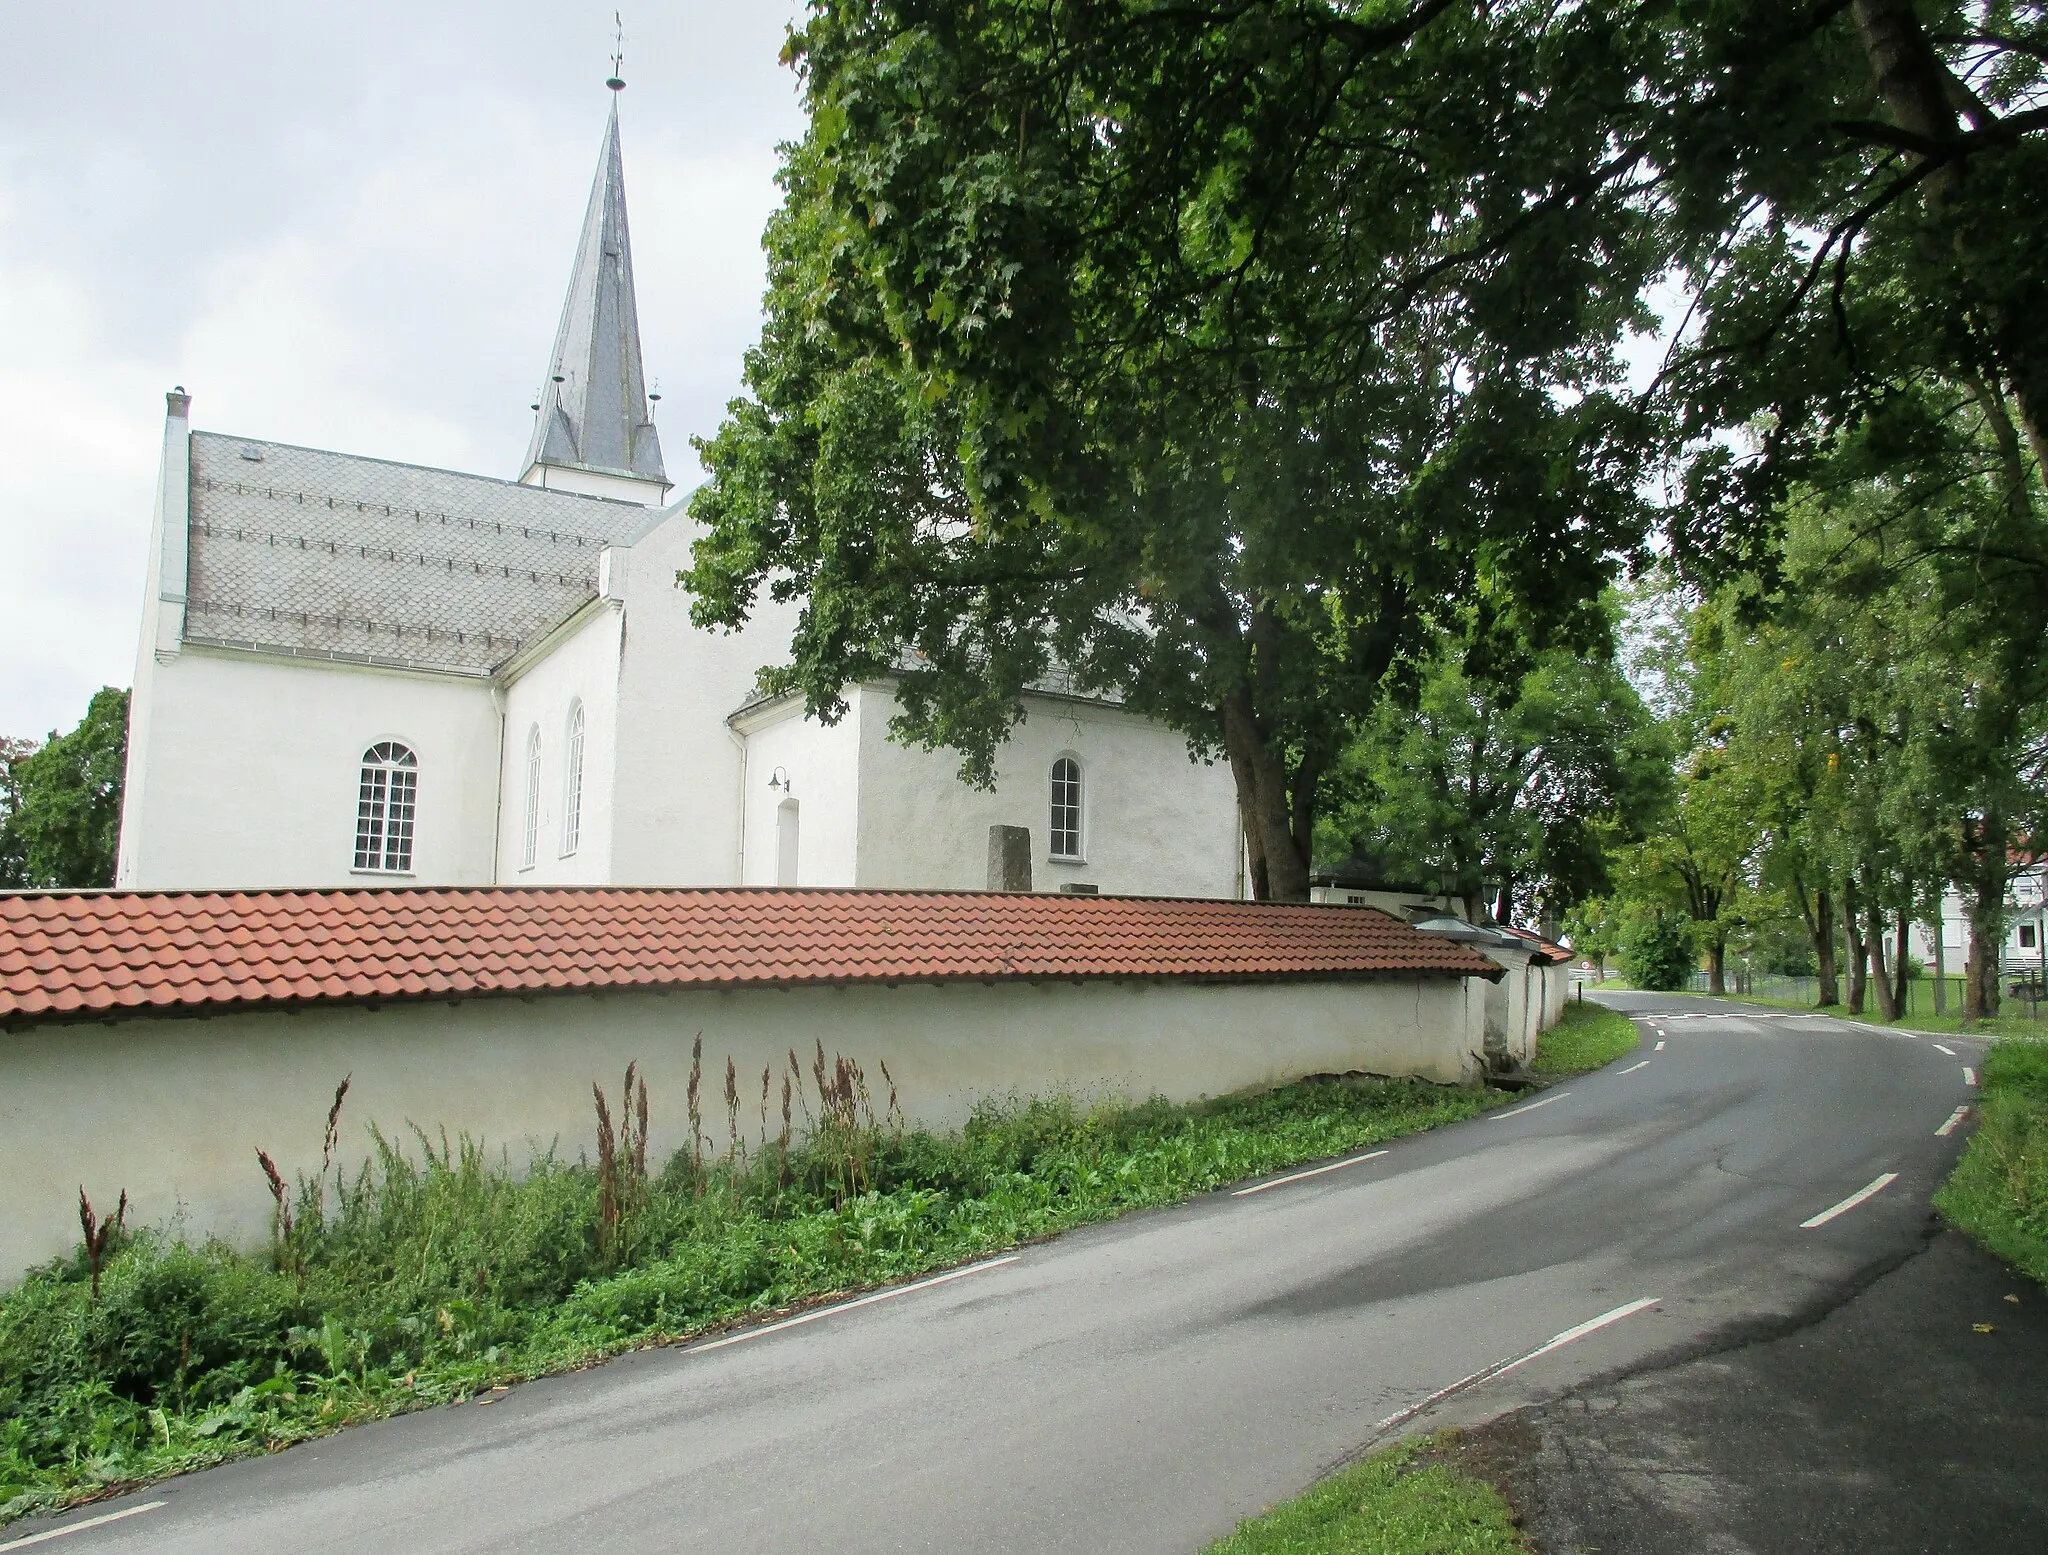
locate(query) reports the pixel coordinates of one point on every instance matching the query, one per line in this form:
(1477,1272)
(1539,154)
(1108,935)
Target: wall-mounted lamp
(779,780)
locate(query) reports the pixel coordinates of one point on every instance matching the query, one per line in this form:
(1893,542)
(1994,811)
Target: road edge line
(91,1522)
(1868,1191)
(847,1306)
(1314,1171)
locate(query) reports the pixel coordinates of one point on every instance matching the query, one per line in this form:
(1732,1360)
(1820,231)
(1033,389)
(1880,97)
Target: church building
(358,672)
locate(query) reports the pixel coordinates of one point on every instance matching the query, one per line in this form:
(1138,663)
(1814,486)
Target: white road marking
(1851,1201)
(1948,1050)
(1313,1171)
(1632,1068)
(1497,1116)
(1502,1368)
(90,1522)
(1658,1048)
(1969,1075)
(1953,1119)
(848,1306)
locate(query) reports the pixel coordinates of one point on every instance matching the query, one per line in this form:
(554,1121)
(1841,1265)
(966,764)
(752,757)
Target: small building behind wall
(1528,998)
(153,1041)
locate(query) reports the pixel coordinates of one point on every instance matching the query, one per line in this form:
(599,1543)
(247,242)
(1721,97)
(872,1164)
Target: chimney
(178,403)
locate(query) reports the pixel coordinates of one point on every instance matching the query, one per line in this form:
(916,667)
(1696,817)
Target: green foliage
(1517,777)
(1396,1502)
(1084,361)
(435,1271)
(1588,1036)
(1999,1190)
(1658,953)
(60,805)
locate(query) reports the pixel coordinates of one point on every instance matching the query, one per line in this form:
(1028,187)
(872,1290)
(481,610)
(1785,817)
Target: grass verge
(1403,1501)
(1587,1036)
(435,1272)
(1998,1192)
(2020,1026)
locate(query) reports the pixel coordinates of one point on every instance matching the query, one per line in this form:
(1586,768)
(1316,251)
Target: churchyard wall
(173,1110)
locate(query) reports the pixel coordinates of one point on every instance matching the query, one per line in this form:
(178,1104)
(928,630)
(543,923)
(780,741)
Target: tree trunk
(1852,942)
(1280,866)
(1717,963)
(1940,952)
(1880,975)
(1899,961)
(1987,937)
(1819,912)
(1913,82)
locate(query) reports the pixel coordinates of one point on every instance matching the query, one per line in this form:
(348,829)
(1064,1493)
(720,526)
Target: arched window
(572,784)
(1066,808)
(530,843)
(385,802)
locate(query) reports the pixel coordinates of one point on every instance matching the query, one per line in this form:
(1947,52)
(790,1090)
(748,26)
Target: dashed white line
(1313,1171)
(1953,1119)
(90,1522)
(1969,1075)
(1948,1050)
(1868,1192)
(1659,1047)
(848,1306)
(1502,1368)
(1632,1068)
(1498,1116)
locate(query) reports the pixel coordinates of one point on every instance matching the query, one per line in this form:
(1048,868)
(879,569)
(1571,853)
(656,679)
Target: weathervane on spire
(616,81)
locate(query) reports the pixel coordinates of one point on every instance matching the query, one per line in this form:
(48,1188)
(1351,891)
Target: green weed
(1998,1192)
(1388,1505)
(435,1269)
(1587,1036)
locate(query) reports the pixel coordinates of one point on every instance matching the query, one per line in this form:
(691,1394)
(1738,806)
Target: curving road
(1142,1385)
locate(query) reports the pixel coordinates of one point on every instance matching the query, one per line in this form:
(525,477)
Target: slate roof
(87,954)
(334,556)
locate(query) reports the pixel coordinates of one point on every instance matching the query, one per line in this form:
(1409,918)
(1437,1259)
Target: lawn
(432,1273)
(1588,1036)
(1998,1192)
(1397,1502)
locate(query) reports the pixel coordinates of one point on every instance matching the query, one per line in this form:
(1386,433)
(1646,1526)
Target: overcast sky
(343,226)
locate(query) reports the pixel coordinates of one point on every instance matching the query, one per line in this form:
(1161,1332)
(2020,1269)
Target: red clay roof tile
(64,953)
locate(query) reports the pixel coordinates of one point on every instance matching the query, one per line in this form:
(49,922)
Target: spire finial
(615,81)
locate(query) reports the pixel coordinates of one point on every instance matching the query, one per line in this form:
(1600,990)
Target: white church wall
(816,808)
(680,767)
(169,1108)
(579,671)
(1153,822)
(254,765)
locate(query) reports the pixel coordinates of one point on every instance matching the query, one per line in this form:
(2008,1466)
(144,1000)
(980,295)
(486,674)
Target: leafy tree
(60,805)
(1216,356)
(1658,953)
(1522,787)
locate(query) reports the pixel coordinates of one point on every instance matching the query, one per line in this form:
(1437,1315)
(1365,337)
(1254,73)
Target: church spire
(593,432)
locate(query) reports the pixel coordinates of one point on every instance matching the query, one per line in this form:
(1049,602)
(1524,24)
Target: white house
(353,671)
(2026,928)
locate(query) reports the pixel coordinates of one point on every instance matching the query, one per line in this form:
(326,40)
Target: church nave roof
(328,555)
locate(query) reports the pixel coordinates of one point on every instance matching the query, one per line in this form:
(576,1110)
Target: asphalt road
(1141,1386)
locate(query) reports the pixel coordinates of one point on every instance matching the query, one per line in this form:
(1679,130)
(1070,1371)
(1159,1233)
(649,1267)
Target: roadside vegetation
(434,1272)
(1399,1502)
(1999,1190)
(1587,1036)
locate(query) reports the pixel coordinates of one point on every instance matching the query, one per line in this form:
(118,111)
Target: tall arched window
(530,843)
(385,802)
(1066,808)
(572,784)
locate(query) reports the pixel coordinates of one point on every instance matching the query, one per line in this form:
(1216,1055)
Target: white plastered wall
(579,669)
(172,1109)
(818,766)
(679,772)
(1154,823)
(253,765)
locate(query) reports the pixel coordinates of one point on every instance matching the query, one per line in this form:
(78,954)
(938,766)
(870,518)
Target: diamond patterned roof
(92,953)
(301,551)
